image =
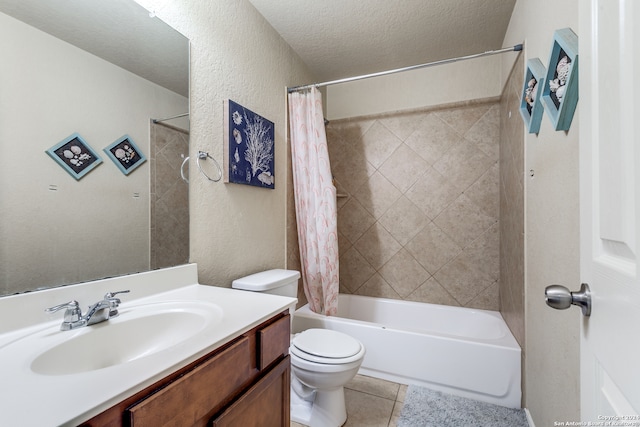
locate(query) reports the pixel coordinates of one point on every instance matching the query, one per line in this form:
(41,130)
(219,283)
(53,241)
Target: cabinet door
(273,341)
(266,404)
(197,393)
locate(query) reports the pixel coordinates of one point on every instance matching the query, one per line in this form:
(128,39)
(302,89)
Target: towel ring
(184,162)
(203,155)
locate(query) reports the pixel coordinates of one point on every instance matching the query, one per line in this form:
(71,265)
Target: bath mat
(425,408)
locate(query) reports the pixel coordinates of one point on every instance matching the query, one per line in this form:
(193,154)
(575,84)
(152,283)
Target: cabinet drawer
(273,341)
(192,396)
(266,404)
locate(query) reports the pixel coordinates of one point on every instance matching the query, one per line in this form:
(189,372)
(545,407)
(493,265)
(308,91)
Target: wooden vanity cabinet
(244,383)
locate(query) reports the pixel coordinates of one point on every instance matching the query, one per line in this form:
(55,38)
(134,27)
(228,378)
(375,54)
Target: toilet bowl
(322,360)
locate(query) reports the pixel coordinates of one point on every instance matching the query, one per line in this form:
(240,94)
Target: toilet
(322,360)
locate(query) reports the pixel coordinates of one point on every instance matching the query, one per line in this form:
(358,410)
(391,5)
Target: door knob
(561,298)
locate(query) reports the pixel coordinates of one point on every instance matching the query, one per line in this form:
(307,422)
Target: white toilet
(322,360)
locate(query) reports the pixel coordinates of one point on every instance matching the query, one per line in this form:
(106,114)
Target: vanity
(178,353)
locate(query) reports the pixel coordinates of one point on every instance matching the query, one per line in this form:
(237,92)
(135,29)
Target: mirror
(102,70)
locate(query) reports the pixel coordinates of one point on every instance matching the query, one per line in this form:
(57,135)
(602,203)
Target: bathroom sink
(138,332)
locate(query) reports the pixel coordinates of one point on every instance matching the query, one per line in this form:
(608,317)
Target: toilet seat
(325,346)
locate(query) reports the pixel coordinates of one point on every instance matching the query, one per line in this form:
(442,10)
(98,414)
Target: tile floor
(372,402)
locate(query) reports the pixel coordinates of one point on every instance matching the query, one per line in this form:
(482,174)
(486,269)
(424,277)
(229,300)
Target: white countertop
(31,399)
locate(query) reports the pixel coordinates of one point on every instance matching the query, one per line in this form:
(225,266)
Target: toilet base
(326,410)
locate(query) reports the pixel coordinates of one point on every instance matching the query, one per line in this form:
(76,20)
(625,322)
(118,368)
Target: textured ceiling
(344,38)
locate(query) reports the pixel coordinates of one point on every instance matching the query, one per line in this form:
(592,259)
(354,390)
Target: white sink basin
(137,332)
(166,322)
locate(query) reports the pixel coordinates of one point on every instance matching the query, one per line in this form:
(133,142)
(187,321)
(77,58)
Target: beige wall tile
(377,195)
(432,138)
(403,168)
(376,286)
(432,292)
(379,143)
(463,164)
(432,193)
(485,133)
(404,273)
(405,220)
(354,220)
(433,248)
(377,246)
(354,270)
(463,221)
(462,119)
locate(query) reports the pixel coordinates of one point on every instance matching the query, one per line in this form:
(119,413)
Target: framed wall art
(125,154)
(248,147)
(75,156)
(530,107)
(560,92)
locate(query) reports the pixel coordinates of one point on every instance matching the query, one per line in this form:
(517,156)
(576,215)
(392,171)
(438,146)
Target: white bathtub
(467,352)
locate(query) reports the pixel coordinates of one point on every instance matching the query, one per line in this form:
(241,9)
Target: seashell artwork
(530,92)
(560,93)
(563,68)
(75,156)
(125,154)
(562,74)
(530,107)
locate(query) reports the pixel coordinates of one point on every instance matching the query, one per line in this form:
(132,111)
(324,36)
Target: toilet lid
(326,343)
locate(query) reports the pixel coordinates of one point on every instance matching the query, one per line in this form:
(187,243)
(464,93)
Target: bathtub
(466,352)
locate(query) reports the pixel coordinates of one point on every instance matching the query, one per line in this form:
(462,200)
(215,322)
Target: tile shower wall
(512,262)
(418,206)
(169,197)
(512,204)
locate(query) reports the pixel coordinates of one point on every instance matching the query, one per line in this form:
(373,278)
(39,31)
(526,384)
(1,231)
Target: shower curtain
(315,202)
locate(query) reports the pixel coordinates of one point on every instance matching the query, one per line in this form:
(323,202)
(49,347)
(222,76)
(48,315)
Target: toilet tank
(277,282)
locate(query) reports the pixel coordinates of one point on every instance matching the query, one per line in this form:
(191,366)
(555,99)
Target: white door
(610,209)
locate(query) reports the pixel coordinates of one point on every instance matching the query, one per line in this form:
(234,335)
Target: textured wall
(552,232)
(420,218)
(235,54)
(512,206)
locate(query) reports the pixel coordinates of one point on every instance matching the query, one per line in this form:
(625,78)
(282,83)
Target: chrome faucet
(98,312)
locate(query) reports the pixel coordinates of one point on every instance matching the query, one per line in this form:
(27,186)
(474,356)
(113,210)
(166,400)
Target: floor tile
(375,386)
(367,410)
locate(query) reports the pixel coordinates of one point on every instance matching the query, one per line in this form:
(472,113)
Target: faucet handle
(110,295)
(114,302)
(73,313)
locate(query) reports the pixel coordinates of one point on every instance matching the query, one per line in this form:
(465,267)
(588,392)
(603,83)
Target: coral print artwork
(249,147)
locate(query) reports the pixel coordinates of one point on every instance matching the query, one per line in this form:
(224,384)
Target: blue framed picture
(530,107)
(248,147)
(560,93)
(75,156)
(125,154)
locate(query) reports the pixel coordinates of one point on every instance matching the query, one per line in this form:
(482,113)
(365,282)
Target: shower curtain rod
(169,118)
(515,48)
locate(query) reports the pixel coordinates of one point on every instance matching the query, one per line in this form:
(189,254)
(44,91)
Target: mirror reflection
(101,70)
